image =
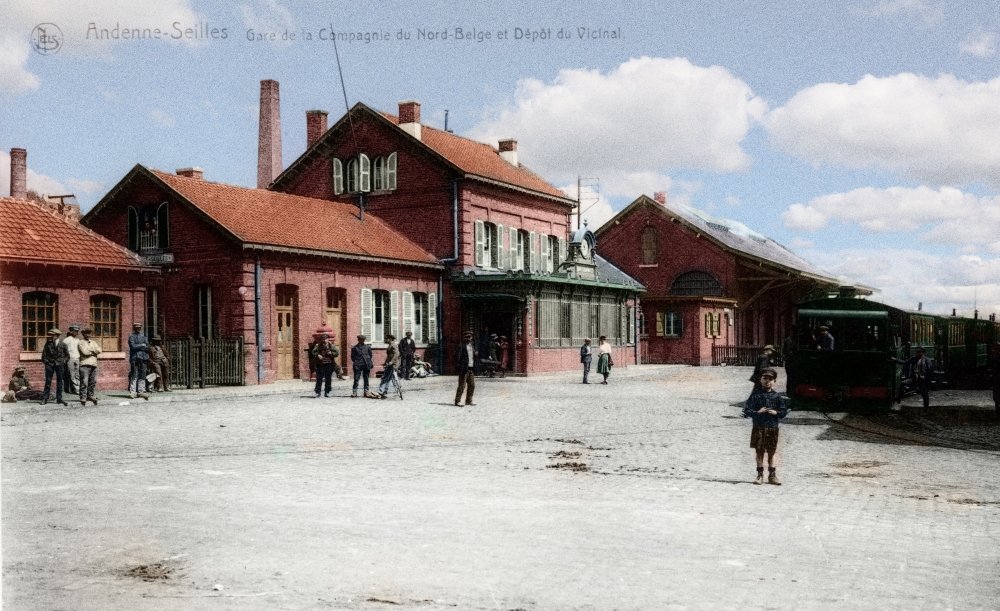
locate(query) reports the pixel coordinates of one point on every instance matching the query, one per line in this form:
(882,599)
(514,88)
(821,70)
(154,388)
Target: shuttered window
(378,174)
(544,264)
(501,250)
(432,327)
(367,314)
(532,253)
(390,172)
(338,177)
(365,183)
(513,261)
(133,229)
(713,325)
(393,314)
(563,252)
(408,318)
(480,233)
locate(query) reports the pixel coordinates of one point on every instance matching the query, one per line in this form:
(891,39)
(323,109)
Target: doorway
(501,323)
(286,308)
(334,313)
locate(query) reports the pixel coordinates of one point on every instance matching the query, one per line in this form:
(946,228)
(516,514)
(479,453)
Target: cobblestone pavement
(546,495)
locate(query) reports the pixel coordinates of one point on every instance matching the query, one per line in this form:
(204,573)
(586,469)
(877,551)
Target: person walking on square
(54,356)
(388,366)
(922,370)
(407,348)
(159,362)
(766,408)
(466,360)
(138,358)
(323,354)
(361,361)
(604,361)
(763,362)
(89,349)
(72,377)
(586,357)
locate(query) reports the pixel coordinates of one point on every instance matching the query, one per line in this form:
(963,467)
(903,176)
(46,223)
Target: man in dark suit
(361,361)
(922,370)
(586,357)
(407,348)
(466,359)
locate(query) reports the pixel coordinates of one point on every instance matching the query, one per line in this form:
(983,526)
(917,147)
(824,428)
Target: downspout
(258,320)
(453,260)
(440,325)
(635,326)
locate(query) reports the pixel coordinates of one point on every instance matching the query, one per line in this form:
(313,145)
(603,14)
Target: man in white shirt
(72,342)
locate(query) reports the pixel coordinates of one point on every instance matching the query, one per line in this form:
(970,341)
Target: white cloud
(267,16)
(980,44)
(908,277)
(162,118)
(648,115)
(941,131)
(946,216)
(930,14)
(40,183)
(73,17)
(733,201)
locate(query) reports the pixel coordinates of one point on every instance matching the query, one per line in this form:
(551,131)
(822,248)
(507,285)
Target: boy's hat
(19,368)
(920,348)
(157,338)
(767,371)
(87,330)
(362,337)
(54,331)
(390,336)
(74,327)
(769,347)
(467,334)
(137,325)
(824,328)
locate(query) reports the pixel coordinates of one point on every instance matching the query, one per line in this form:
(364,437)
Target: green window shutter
(162,226)
(432,318)
(408,315)
(367,313)
(390,173)
(133,229)
(480,231)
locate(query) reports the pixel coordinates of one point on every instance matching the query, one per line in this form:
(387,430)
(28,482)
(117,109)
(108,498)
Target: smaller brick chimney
(315,125)
(409,117)
(191,172)
(19,173)
(508,150)
(660,197)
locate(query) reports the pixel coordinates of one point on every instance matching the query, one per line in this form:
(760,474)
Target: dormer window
(361,174)
(384,173)
(148,227)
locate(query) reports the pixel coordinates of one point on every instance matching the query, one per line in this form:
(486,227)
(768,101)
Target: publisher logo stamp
(46,38)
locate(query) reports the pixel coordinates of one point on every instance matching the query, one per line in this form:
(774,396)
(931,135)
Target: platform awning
(490,297)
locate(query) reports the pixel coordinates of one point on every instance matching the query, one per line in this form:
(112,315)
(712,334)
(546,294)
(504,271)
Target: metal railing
(743,355)
(206,362)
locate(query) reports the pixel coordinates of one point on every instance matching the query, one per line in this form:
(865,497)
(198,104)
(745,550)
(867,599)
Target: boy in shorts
(767,408)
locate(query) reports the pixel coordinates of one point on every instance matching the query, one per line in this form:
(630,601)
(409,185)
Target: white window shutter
(367,314)
(544,239)
(432,318)
(408,313)
(480,231)
(532,252)
(394,313)
(338,177)
(390,172)
(512,254)
(563,254)
(501,249)
(366,174)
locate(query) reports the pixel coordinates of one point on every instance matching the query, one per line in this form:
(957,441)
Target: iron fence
(743,355)
(206,362)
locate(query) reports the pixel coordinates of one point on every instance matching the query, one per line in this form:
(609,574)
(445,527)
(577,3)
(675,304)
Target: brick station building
(710,282)
(54,273)
(513,267)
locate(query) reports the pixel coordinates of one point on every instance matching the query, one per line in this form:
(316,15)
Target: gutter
(337,255)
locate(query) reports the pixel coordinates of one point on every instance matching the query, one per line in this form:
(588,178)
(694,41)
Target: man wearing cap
(824,341)
(407,348)
(763,362)
(55,357)
(921,370)
(138,358)
(766,408)
(466,358)
(159,363)
(323,354)
(361,362)
(89,349)
(73,365)
(19,388)
(388,366)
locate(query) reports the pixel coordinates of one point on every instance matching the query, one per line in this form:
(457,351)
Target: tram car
(859,372)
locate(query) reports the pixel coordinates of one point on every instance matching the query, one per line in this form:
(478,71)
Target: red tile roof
(481,159)
(258,216)
(30,233)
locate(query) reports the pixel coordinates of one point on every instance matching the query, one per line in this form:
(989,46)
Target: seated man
(421,368)
(19,388)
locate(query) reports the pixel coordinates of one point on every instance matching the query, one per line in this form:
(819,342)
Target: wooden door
(335,319)
(285,307)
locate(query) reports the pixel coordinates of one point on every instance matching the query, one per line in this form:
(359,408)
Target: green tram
(859,373)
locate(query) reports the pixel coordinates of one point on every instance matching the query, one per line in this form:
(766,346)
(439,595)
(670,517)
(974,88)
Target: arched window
(352,176)
(696,283)
(364,177)
(105,320)
(39,313)
(649,253)
(378,174)
(338,177)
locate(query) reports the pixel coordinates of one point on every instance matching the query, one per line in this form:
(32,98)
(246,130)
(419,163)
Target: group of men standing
(399,363)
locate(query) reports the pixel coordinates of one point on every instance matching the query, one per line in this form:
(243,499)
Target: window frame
(107,329)
(648,244)
(41,334)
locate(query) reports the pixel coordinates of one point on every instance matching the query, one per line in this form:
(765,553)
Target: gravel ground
(546,495)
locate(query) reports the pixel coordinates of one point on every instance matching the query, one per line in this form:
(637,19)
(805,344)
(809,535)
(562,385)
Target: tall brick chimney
(315,125)
(660,197)
(269,140)
(19,173)
(508,150)
(409,117)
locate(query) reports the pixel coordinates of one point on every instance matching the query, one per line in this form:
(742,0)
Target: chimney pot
(315,125)
(660,197)
(409,117)
(191,172)
(269,139)
(19,173)
(508,151)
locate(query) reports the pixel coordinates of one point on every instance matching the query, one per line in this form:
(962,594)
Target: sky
(864,135)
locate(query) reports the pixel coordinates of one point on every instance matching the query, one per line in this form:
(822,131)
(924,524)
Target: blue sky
(865,134)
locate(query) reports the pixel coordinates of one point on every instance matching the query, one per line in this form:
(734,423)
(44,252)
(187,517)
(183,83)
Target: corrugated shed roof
(28,232)
(481,159)
(258,216)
